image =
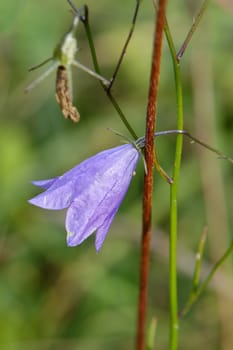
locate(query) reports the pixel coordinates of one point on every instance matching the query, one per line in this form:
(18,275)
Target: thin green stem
(123,52)
(151,334)
(199,257)
(122,116)
(87,27)
(41,64)
(204,285)
(210,148)
(90,40)
(174,321)
(192,30)
(197,270)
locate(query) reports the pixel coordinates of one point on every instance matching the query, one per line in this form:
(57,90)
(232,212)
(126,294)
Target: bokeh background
(55,297)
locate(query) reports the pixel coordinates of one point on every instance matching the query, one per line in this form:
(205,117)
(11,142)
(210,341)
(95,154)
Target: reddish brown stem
(148,178)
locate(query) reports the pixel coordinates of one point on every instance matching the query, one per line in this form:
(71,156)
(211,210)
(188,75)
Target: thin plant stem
(174,321)
(122,116)
(91,72)
(192,30)
(77,11)
(199,257)
(44,75)
(151,334)
(87,27)
(210,148)
(41,64)
(141,142)
(193,298)
(196,140)
(123,52)
(148,178)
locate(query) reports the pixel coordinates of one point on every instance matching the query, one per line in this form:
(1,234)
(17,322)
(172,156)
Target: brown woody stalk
(148,178)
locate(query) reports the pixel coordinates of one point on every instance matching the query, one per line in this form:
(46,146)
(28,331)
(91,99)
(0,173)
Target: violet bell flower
(92,192)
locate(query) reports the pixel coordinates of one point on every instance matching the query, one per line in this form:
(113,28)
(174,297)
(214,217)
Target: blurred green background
(55,297)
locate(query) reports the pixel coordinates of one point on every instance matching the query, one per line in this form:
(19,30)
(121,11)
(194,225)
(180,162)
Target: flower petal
(93,170)
(102,231)
(79,223)
(45,184)
(93,191)
(55,198)
(95,208)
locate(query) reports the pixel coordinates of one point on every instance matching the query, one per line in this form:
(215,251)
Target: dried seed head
(63,95)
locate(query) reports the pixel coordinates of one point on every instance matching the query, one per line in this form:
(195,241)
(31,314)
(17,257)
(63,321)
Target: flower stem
(151,334)
(123,52)
(87,27)
(174,322)
(195,295)
(141,142)
(192,30)
(148,178)
(199,258)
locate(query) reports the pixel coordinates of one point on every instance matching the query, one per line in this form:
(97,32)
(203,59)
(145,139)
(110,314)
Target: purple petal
(45,184)
(102,232)
(54,198)
(95,208)
(93,191)
(76,179)
(92,170)
(78,225)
